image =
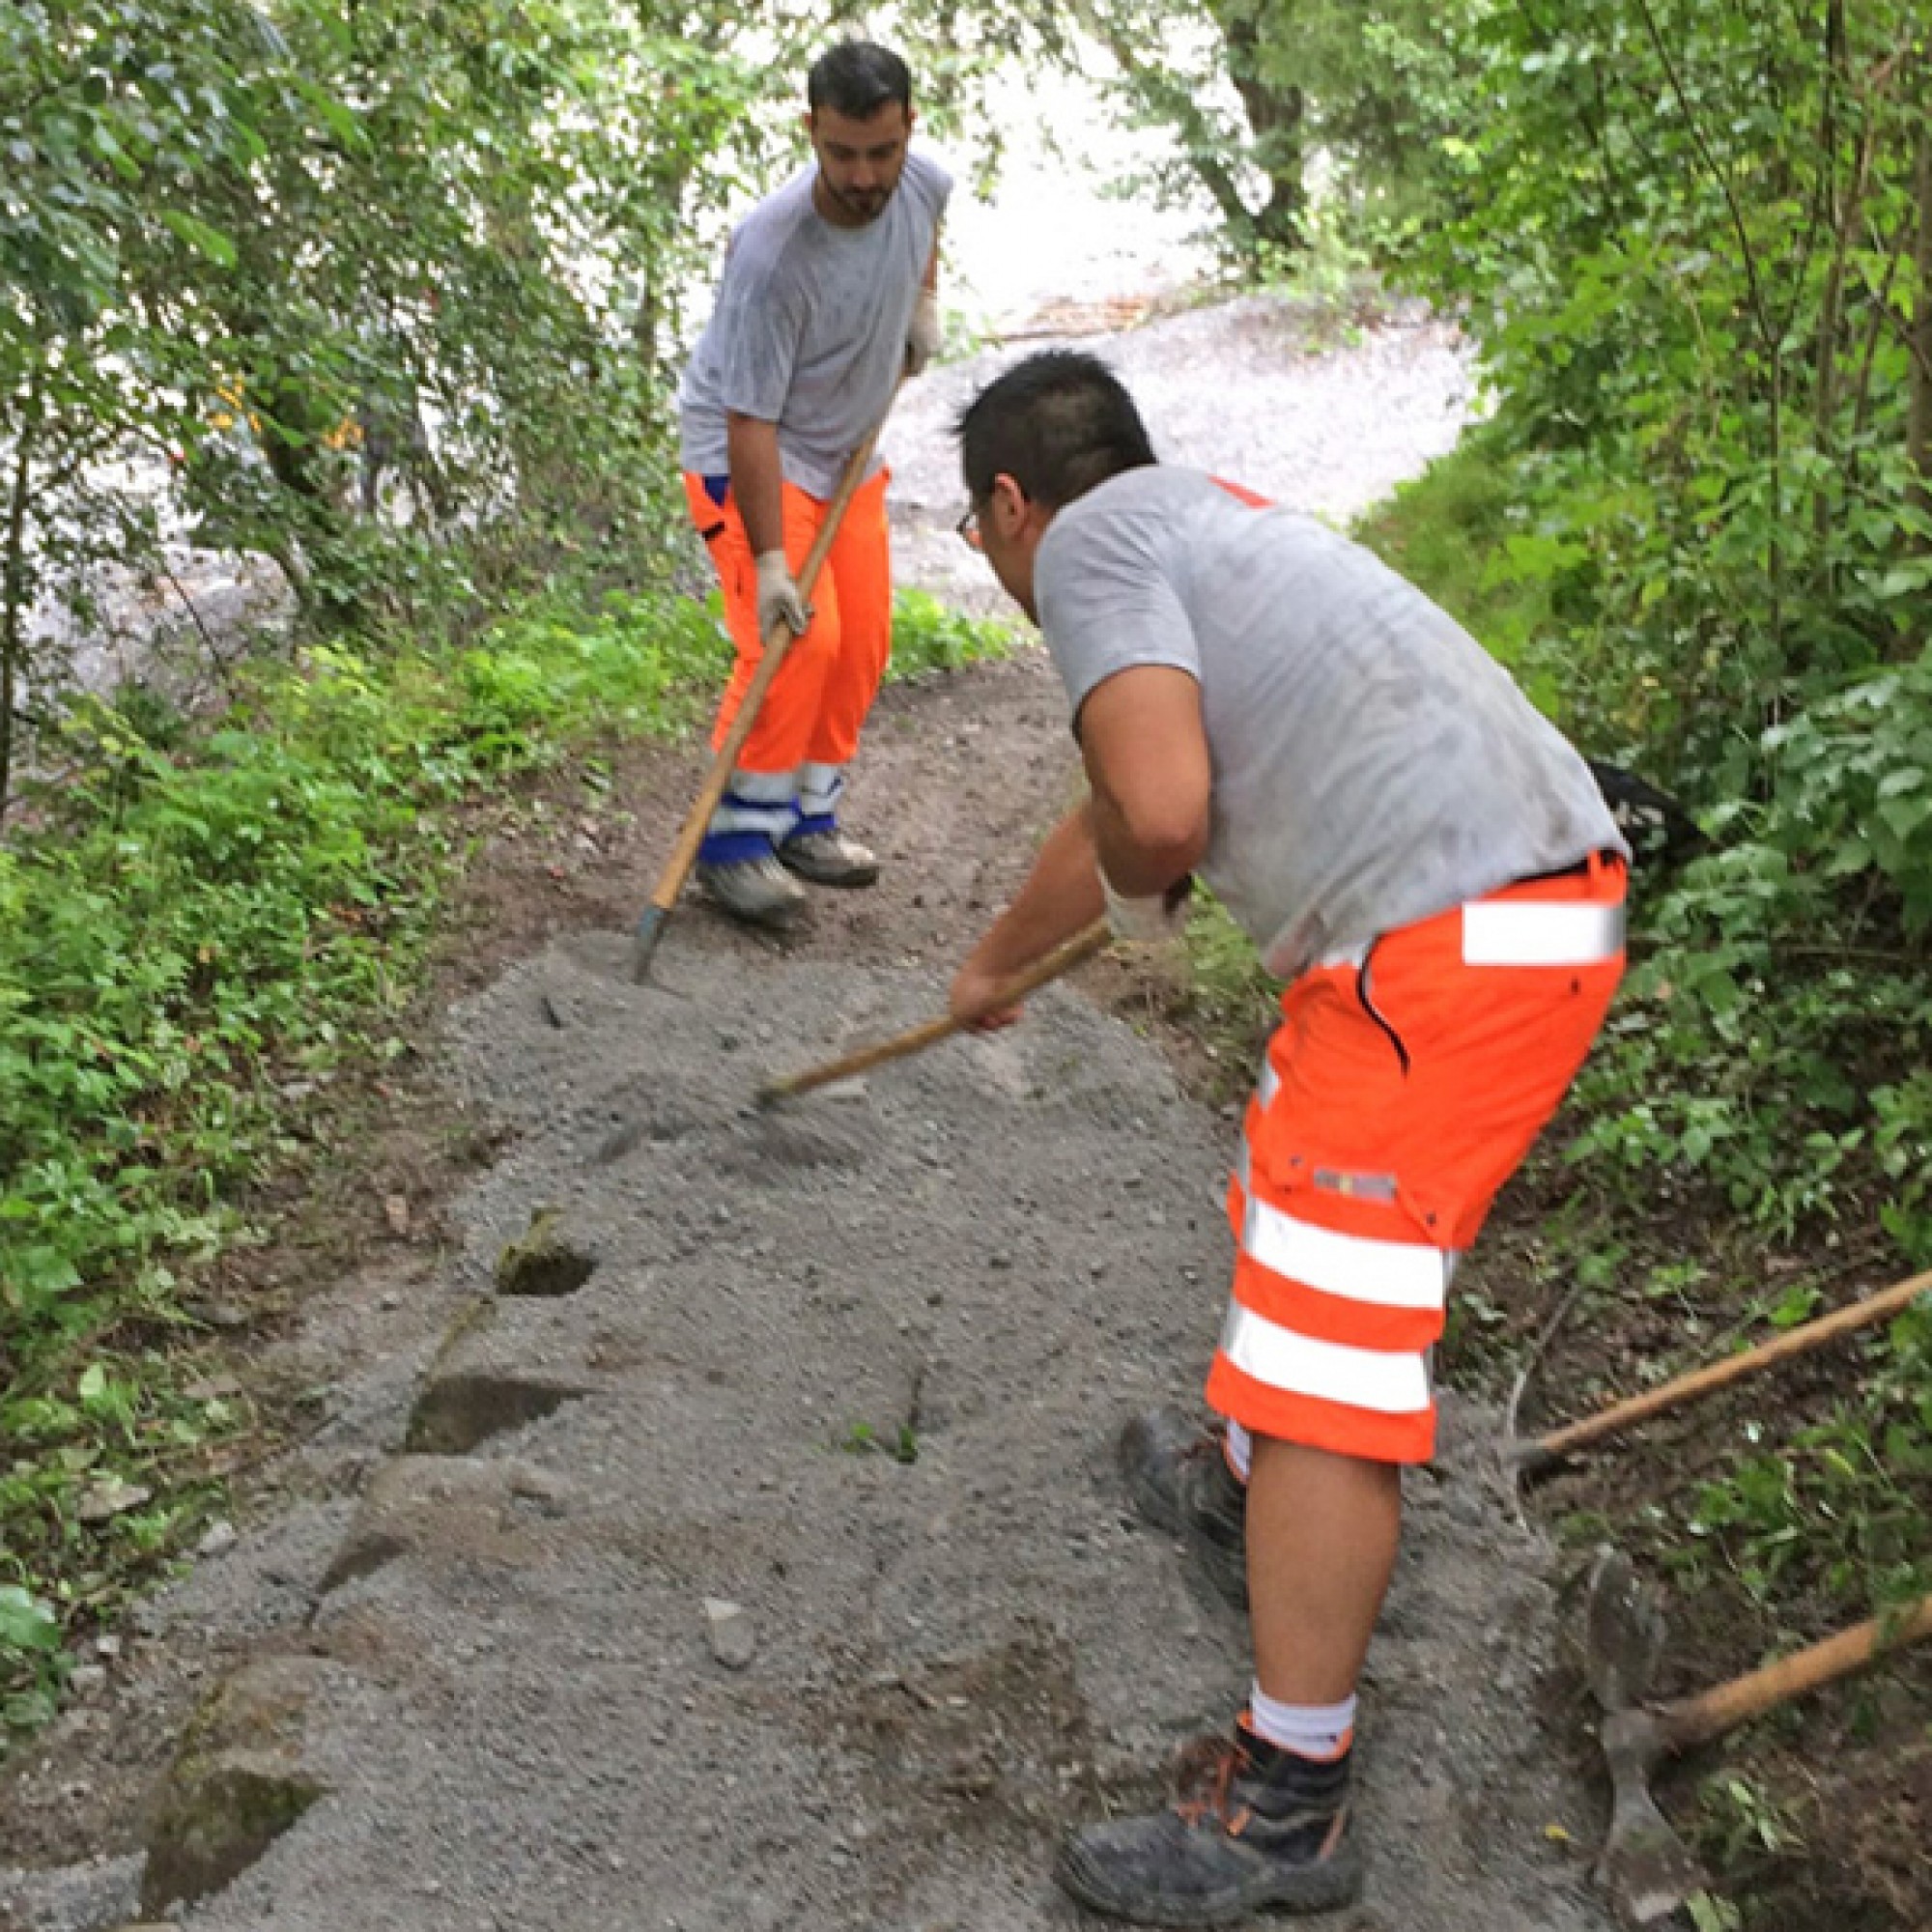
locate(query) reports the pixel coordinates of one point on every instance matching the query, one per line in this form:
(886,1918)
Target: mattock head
(1624,1629)
(1645,1867)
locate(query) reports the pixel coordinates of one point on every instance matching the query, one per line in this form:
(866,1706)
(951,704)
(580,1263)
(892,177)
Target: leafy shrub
(929,635)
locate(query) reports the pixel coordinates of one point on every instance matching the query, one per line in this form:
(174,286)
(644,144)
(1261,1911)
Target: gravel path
(1256,390)
(770,1572)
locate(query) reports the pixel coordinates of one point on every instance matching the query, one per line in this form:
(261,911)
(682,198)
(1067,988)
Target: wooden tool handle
(777,642)
(1735,1368)
(1696,1720)
(1083,946)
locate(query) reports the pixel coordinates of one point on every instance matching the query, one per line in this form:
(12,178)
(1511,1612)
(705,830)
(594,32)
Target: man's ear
(1010,503)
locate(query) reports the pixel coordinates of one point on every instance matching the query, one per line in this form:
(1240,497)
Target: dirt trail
(853,1369)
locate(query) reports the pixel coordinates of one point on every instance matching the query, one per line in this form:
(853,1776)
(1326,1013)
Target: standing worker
(830,293)
(1430,867)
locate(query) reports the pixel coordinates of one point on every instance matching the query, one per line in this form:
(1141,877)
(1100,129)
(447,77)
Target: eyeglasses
(968,528)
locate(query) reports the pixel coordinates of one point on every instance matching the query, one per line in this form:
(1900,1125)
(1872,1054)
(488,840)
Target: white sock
(1240,1450)
(1320,1731)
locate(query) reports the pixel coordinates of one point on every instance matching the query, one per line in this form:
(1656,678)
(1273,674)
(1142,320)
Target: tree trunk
(13,586)
(1275,119)
(1919,419)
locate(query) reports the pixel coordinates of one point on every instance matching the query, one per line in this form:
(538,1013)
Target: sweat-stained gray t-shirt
(1372,763)
(809,329)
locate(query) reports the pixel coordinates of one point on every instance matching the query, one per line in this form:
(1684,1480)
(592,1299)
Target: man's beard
(865,204)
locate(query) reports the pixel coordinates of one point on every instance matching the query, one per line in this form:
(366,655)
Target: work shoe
(829,859)
(758,891)
(1252,1827)
(1179,1478)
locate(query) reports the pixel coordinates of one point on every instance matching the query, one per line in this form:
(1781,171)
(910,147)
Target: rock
(458,1411)
(110,1497)
(396,1211)
(220,1539)
(543,1261)
(236,1785)
(87,1680)
(733,1640)
(442,1510)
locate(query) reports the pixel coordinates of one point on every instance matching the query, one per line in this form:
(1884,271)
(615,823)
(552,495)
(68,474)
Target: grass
(206,926)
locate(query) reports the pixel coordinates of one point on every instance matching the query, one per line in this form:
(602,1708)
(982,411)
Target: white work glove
(778,595)
(922,337)
(1152,921)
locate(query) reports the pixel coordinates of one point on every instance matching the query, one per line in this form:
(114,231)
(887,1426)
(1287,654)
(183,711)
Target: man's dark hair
(1058,423)
(857,78)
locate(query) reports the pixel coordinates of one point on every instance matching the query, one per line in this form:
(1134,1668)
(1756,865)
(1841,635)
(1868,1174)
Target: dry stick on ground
(778,642)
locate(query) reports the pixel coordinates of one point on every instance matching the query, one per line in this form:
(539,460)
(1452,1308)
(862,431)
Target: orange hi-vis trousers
(1402,1088)
(792,768)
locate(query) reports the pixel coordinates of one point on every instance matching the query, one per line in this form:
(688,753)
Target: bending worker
(829,292)
(1430,867)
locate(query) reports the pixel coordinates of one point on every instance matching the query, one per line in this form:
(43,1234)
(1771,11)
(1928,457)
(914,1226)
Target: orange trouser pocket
(1398,1093)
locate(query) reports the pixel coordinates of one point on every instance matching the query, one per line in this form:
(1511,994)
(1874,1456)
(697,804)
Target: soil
(777,1574)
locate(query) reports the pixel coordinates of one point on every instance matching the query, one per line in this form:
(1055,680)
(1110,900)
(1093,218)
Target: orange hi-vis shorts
(1402,1089)
(818,703)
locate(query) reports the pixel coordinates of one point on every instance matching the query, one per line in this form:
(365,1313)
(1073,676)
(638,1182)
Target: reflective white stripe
(1300,1365)
(764,788)
(818,788)
(1533,933)
(774,819)
(1391,1274)
(1267,1086)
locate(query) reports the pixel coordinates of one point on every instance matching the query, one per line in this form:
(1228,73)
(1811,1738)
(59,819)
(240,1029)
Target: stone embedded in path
(458,1411)
(543,1263)
(733,1639)
(503,1364)
(448,1509)
(236,1785)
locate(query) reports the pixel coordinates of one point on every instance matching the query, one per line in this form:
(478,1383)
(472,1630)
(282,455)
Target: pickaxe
(1645,1867)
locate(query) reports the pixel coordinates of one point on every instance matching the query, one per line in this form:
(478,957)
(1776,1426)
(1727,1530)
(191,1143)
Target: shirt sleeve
(758,325)
(1107,602)
(934,182)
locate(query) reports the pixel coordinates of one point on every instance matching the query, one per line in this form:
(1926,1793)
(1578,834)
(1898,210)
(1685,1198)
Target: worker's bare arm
(756,479)
(1060,895)
(1147,762)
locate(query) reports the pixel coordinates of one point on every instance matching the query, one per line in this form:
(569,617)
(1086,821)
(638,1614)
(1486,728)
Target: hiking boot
(1252,1828)
(758,891)
(1179,1478)
(829,859)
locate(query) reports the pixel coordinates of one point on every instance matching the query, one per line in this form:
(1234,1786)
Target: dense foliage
(380,290)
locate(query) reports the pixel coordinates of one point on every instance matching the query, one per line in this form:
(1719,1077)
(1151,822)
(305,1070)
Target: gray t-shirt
(1372,763)
(809,327)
